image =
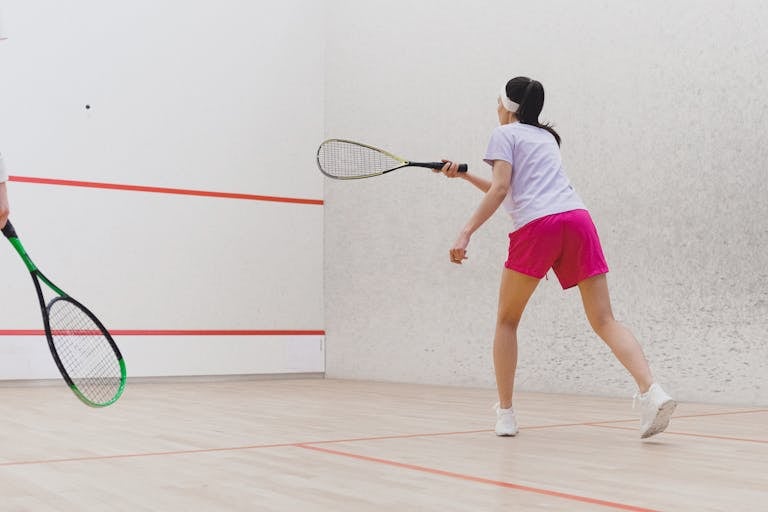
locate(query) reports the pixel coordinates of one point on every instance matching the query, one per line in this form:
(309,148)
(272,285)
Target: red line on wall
(180,332)
(163,190)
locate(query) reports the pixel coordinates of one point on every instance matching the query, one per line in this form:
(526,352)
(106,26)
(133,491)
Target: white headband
(506,102)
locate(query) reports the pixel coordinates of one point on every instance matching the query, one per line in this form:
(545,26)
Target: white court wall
(216,97)
(663,114)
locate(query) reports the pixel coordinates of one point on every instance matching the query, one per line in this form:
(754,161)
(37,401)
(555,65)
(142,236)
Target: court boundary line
(369,438)
(482,480)
(145,454)
(685,416)
(692,434)
(309,446)
(163,190)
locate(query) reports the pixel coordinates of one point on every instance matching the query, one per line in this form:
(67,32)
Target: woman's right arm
(451,170)
(481,183)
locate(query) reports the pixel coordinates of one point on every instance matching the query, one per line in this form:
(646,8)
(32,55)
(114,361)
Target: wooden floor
(325,445)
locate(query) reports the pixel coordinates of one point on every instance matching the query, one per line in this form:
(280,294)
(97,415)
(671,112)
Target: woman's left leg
(515,290)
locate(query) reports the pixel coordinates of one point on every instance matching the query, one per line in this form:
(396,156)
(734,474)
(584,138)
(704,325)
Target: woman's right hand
(450,169)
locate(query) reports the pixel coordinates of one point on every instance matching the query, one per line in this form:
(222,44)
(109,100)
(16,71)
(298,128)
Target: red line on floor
(557,425)
(163,190)
(397,436)
(146,454)
(470,478)
(224,449)
(690,434)
(305,444)
(724,413)
(680,416)
(178,332)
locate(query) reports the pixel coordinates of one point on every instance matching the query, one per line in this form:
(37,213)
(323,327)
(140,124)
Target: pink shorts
(566,242)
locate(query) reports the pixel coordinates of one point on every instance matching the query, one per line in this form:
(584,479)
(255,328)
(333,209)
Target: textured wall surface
(182,95)
(663,114)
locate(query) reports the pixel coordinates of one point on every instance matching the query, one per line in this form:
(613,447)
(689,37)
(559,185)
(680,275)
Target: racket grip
(439,165)
(8,230)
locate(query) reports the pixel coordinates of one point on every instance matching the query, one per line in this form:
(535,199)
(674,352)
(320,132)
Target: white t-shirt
(539,186)
(3,172)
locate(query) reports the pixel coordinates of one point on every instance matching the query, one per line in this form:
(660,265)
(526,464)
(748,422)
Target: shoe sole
(506,434)
(661,421)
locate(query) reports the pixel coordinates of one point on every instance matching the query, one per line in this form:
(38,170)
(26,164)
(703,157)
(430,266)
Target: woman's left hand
(458,252)
(4,208)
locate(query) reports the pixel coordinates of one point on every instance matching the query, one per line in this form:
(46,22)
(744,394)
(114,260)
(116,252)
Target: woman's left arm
(502,175)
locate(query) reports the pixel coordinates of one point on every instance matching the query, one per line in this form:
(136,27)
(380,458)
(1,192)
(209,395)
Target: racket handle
(8,230)
(439,165)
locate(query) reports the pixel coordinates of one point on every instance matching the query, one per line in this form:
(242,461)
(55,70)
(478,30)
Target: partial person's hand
(458,252)
(450,169)
(4,208)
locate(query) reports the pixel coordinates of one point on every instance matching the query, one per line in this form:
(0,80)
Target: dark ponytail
(529,94)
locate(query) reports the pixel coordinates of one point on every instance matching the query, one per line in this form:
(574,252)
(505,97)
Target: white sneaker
(506,423)
(656,408)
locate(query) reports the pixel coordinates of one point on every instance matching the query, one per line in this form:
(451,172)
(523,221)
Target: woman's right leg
(597,306)
(656,405)
(516,289)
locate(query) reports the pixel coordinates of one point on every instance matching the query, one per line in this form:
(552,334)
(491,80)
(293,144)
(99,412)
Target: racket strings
(343,159)
(85,352)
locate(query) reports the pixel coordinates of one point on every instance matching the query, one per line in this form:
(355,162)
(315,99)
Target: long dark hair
(529,94)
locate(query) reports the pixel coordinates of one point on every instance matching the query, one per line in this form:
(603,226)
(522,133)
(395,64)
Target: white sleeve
(3,172)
